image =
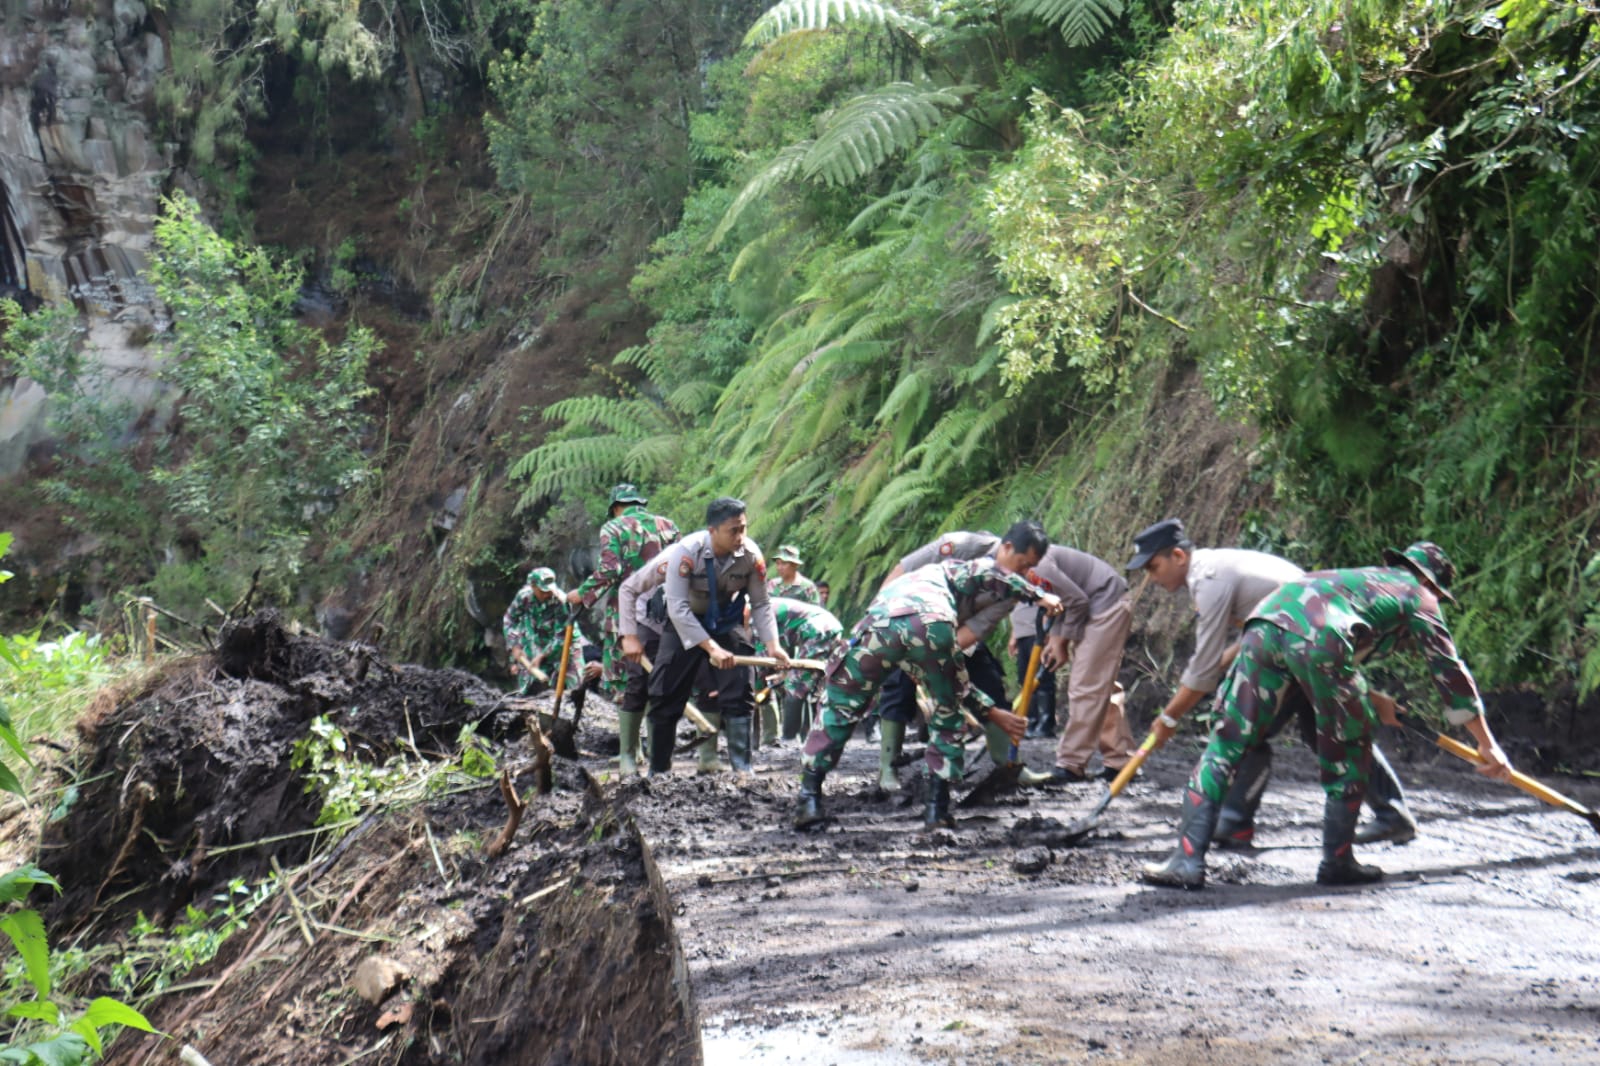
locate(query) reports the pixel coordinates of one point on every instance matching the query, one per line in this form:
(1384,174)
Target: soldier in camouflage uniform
(1314,633)
(811,633)
(1023,545)
(790,583)
(535,626)
(630,539)
(912,626)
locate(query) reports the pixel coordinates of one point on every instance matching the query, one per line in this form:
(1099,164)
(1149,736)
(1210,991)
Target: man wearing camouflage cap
(631,538)
(911,625)
(789,582)
(1315,633)
(535,625)
(811,632)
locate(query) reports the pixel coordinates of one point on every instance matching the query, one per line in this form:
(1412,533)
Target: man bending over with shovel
(535,628)
(710,576)
(1225,585)
(911,625)
(1314,633)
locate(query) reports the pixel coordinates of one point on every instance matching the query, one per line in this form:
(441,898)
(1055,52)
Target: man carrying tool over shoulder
(710,575)
(1017,552)
(1225,585)
(913,625)
(1092,632)
(1314,633)
(628,540)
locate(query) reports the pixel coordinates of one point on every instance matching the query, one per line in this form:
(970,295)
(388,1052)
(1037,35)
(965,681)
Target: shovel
(1086,825)
(1524,782)
(563,734)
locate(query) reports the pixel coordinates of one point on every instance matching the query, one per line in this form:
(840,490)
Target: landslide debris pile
(399,940)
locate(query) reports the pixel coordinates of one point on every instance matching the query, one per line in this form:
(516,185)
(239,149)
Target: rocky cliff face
(80,173)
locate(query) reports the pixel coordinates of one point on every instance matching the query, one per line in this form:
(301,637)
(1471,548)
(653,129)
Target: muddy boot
(1339,866)
(891,735)
(794,726)
(661,741)
(628,741)
(737,729)
(937,814)
(1186,866)
(706,754)
(1392,821)
(769,722)
(1236,824)
(809,810)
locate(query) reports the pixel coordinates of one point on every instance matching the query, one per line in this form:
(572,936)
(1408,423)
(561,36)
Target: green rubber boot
(628,723)
(707,754)
(891,736)
(769,721)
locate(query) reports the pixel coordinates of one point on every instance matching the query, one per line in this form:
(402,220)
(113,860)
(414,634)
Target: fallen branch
(295,906)
(498,846)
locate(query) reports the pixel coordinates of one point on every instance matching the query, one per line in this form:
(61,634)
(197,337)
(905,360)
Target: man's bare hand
(574,597)
(780,657)
(1056,654)
(1493,762)
(591,672)
(1051,603)
(720,657)
(1388,710)
(632,648)
(1014,725)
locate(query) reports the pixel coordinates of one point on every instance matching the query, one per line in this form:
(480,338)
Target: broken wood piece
(772,664)
(498,846)
(190,1057)
(294,903)
(543,892)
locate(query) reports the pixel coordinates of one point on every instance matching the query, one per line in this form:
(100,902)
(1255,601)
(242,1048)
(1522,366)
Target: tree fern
(784,166)
(787,16)
(1081,22)
(867,129)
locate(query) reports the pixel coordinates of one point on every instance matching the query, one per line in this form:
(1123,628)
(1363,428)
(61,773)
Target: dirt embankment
(398,941)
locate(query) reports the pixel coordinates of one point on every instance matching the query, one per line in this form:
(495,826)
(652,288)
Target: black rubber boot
(1236,823)
(1339,866)
(661,740)
(1392,820)
(1186,866)
(809,810)
(937,815)
(737,730)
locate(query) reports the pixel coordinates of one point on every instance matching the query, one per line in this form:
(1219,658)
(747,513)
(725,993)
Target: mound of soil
(200,761)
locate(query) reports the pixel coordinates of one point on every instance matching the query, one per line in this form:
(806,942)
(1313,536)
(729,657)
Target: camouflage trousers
(925,650)
(613,667)
(1271,664)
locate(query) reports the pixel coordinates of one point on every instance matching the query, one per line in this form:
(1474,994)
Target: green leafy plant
(346,784)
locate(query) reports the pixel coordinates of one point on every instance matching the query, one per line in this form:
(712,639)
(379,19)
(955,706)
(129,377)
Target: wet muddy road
(871,942)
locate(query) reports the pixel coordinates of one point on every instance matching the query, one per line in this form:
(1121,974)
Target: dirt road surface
(872,942)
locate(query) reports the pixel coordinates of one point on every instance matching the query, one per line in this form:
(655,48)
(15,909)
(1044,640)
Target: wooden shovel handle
(772,664)
(690,711)
(1031,682)
(1521,780)
(1125,775)
(561,671)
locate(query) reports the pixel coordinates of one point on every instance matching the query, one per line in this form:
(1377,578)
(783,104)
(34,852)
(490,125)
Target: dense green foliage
(936,259)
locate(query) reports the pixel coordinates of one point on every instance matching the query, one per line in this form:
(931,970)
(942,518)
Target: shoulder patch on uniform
(661,568)
(685,567)
(947,547)
(761,567)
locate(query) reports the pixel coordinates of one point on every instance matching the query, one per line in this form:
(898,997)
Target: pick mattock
(1524,782)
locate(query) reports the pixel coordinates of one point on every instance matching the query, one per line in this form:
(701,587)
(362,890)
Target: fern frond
(1081,22)
(867,129)
(785,165)
(641,356)
(653,456)
(787,16)
(694,398)
(630,418)
(893,508)
(577,463)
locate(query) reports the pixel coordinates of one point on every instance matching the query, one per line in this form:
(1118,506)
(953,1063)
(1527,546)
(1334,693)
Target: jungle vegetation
(913,266)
